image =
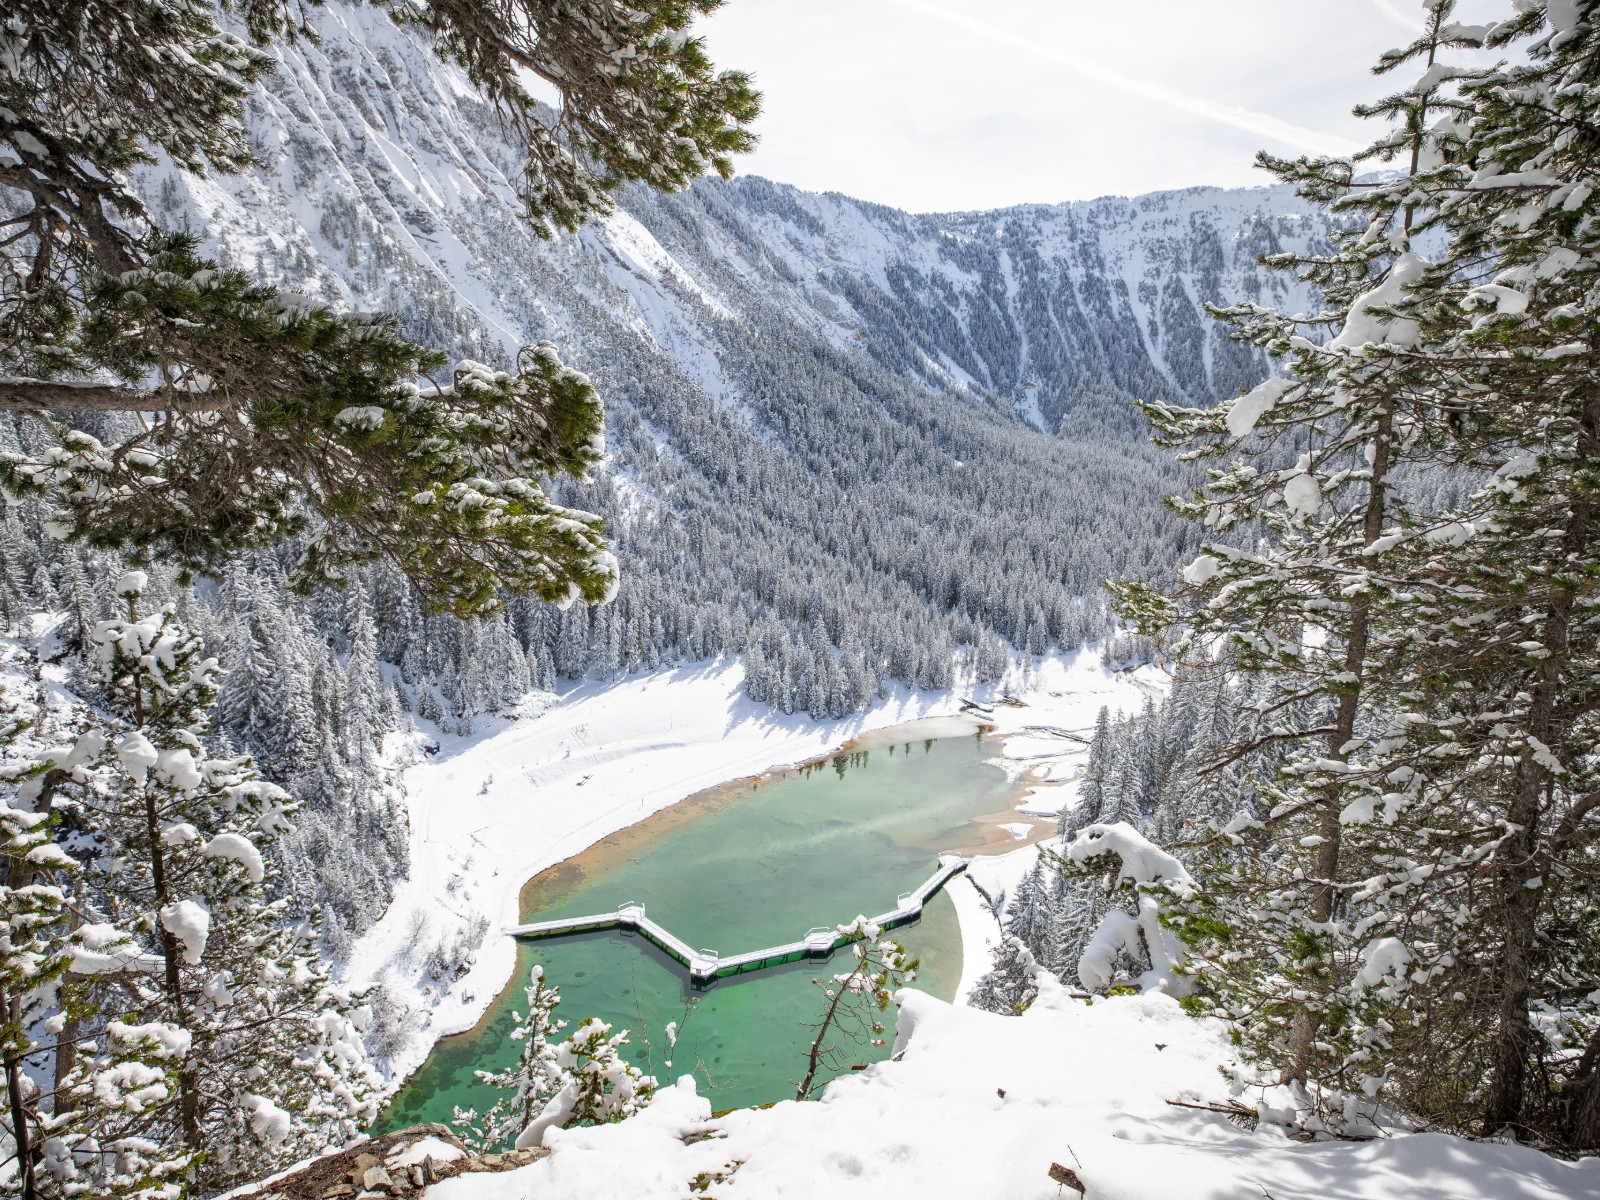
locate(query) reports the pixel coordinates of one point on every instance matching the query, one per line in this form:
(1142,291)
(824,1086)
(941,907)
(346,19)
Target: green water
(746,866)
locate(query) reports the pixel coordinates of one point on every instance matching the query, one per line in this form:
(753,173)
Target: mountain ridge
(825,415)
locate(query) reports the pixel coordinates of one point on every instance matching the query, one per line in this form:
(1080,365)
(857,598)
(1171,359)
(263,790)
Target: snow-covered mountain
(387,183)
(1046,307)
(827,417)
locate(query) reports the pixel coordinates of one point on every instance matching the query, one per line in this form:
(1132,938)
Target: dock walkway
(707,966)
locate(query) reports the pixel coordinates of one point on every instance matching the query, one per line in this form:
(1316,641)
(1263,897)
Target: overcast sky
(937,105)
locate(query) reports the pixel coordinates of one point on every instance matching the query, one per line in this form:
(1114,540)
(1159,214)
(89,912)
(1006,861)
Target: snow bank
(967,1114)
(988,875)
(980,933)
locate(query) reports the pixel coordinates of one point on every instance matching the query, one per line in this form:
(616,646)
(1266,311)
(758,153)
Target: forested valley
(354,404)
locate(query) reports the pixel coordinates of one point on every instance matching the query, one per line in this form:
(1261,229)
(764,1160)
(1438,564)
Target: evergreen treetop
(268,414)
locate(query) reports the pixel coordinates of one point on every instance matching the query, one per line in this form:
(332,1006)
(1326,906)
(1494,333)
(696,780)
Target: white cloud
(951,104)
(1261,124)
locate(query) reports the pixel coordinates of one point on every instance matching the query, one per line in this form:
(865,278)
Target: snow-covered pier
(706,966)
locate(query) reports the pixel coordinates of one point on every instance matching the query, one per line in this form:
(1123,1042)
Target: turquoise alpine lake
(747,865)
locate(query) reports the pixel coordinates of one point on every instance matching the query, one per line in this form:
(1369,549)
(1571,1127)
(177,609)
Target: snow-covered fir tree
(1311,456)
(74,1112)
(1420,878)
(1472,982)
(529,1084)
(596,1084)
(265,1055)
(39,948)
(1010,985)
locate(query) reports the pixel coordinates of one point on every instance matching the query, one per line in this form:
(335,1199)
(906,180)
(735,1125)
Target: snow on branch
(1136,936)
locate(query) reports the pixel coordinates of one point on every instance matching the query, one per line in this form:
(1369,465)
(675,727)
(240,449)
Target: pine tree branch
(1569,824)
(1244,749)
(19,394)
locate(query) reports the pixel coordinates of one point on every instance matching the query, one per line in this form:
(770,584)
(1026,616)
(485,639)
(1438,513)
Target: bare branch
(1244,749)
(1575,815)
(43,395)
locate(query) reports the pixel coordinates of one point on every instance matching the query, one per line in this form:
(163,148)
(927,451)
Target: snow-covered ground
(980,1108)
(490,811)
(991,875)
(1047,729)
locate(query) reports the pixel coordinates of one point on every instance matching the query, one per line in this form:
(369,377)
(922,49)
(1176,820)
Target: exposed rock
(508,1161)
(381,1168)
(376,1179)
(1066,1177)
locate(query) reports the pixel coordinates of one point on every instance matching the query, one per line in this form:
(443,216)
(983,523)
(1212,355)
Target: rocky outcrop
(402,1163)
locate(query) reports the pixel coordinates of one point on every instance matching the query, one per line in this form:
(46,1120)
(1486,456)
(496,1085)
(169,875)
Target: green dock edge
(746,968)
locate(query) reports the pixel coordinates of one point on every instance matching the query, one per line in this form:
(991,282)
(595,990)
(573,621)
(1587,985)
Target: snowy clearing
(1046,737)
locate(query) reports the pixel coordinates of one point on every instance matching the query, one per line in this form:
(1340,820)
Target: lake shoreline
(529,791)
(700,804)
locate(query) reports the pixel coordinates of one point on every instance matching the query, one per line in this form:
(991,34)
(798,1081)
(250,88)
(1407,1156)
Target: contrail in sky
(1261,124)
(1388,9)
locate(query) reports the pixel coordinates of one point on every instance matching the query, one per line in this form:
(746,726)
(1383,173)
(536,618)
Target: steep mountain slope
(1050,308)
(824,413)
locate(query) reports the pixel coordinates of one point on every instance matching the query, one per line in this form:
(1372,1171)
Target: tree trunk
(814,1058)
(188,1084)
(1520,857)
(20,395)
(1513,1036)
(19,1109)
(1583,1114)
(1325,895)
(20,875)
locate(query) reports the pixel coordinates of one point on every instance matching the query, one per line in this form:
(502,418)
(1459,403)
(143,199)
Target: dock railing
(707,966)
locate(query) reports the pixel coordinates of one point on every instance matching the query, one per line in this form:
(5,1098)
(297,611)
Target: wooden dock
(706,966)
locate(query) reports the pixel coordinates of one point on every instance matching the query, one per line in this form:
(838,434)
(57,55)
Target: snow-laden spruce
(1401,908)
(199,1036)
